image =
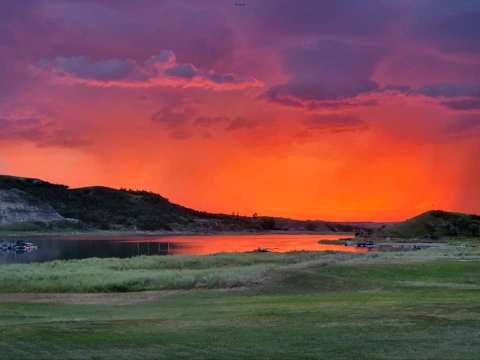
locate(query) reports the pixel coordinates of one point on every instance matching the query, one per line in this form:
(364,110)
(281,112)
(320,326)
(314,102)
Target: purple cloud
(41,132)
(174,112)
(239,123)
(464,125)
(186,71)
(220,78)
(450,90)
(209,121)
(330,70)
(454,96)
(160,70)
(339,17)
(464,104)
(335,123)
(83,67)
(451,26)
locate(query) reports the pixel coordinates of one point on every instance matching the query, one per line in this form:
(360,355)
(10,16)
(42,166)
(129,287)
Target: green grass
(190,272)
(414,305)
(148,272)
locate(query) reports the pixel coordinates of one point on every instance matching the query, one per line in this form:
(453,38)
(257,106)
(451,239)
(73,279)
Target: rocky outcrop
(17,206)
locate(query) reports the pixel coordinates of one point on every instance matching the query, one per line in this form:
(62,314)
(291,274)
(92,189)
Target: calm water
(80,247)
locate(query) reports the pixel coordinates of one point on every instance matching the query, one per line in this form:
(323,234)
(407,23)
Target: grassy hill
(111,209)
(121,209)
(433,225)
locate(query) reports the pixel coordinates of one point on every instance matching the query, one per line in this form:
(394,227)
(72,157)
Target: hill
(433,224)
(105,208)
(18,206)
(111,209)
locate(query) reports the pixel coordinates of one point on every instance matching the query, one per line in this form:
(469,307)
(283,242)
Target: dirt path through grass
(89,298)
(126,298)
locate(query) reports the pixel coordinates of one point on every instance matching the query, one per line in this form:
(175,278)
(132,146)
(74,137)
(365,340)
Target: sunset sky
(336,110)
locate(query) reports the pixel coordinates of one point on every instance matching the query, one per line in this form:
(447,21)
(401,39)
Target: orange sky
(287,114)
(279,168)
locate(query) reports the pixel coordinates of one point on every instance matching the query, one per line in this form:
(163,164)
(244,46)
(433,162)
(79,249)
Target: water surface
(85,246)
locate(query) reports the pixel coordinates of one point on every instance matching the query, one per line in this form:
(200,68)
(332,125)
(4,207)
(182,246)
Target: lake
(80,247)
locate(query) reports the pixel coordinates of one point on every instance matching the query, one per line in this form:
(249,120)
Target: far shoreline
(106,233)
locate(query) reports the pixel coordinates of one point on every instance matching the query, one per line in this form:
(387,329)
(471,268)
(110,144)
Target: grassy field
(150,272)
(411,305)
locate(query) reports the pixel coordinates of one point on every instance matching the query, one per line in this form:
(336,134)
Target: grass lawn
(415,305)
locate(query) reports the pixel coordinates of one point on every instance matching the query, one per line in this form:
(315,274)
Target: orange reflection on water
(212,244)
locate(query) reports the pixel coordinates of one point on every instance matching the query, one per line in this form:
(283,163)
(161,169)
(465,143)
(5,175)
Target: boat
(17,246)
(366,244)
